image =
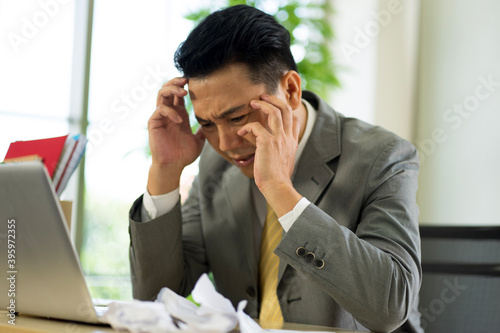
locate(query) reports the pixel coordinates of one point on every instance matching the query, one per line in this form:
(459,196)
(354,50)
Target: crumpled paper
(140,316)
(173,313)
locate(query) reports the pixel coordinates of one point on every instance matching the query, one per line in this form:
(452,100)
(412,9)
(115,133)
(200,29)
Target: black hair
(237,35)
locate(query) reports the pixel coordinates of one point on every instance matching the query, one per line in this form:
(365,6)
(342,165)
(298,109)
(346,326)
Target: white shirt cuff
(157,205)
(289,218)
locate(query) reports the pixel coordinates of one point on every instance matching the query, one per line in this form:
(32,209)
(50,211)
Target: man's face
(221,103)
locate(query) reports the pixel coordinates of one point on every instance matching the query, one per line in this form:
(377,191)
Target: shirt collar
(311,118)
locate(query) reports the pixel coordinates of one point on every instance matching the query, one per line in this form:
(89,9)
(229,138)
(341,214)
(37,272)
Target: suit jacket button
(319,263)
(300,252)
(251,292)
(310,257)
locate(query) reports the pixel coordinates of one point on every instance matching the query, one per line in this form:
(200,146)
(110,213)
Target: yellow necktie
(271,236)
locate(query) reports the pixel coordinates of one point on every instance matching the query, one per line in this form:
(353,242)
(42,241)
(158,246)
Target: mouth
(245,161)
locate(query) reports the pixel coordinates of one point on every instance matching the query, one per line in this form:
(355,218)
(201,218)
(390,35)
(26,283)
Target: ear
(291,87)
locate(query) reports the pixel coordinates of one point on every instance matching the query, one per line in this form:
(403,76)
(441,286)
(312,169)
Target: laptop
(43,273)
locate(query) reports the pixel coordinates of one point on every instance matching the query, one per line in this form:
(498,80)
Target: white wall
(376,54)
(397,58)
(458,115)
(355,58)
(421,74)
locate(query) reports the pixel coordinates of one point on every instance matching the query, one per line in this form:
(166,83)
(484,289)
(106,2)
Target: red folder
(48,149)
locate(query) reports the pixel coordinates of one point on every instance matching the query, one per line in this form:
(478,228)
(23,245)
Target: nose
(228,139)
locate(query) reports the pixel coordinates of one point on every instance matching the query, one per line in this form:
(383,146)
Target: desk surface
(26,324)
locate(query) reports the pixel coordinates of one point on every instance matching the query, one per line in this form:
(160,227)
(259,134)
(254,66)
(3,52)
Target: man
(333,197)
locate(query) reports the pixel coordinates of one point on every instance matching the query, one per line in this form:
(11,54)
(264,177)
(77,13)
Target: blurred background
(428,70)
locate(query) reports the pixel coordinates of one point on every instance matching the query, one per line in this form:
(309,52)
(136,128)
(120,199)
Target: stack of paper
(61,155)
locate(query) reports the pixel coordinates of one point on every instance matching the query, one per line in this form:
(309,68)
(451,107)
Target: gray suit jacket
(362,224)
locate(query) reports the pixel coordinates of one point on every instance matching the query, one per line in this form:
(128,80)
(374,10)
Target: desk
(26,324)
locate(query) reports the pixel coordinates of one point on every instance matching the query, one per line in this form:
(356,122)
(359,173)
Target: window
(42,80)
(132,56)
(36,58)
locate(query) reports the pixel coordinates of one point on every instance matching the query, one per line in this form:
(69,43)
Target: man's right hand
(172,144)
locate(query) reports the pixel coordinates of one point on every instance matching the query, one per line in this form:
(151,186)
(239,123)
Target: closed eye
(207,125)
(239,119)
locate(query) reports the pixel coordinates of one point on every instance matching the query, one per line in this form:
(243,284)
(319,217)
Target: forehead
(223,90)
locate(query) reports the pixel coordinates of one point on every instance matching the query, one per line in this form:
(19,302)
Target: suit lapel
(312,174)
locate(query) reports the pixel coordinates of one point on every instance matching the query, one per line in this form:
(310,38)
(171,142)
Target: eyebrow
(223,114)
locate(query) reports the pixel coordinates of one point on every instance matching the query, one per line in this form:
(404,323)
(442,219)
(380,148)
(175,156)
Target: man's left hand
(276,145)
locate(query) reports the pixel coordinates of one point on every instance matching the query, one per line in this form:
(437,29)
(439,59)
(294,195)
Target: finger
(166,95)
(171,96)
(177,81)
(274,120)
(163,111)
(256,129)
(286,111)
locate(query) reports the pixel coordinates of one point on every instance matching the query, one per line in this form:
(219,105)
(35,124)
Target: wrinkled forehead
(222,92)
